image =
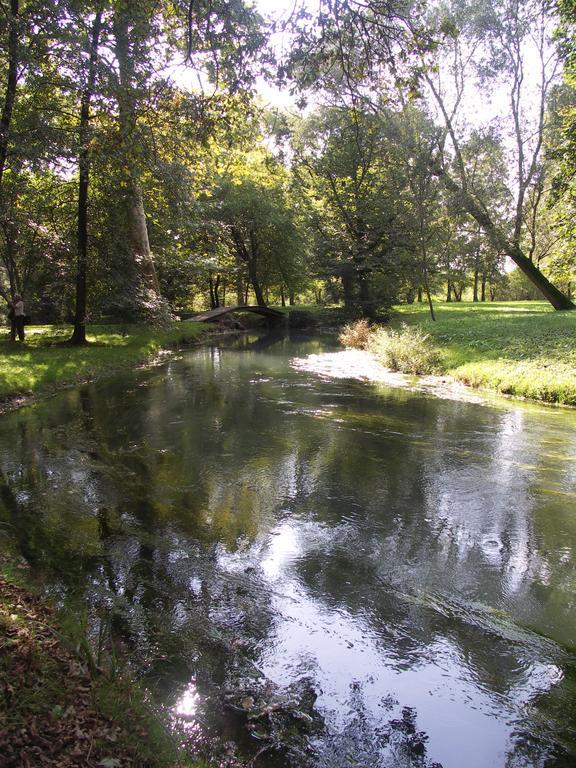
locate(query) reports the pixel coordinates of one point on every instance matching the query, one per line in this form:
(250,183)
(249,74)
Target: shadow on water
(325,572)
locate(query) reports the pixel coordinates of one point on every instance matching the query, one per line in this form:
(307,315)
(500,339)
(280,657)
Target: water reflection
(244,527)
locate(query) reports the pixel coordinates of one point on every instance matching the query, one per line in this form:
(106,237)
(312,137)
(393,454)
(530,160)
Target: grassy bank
(525,349)
(45,361)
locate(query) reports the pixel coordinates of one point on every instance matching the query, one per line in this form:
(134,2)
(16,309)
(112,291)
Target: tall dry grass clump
(356,335)
(409,350)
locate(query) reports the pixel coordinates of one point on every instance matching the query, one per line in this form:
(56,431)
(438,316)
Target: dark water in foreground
(390,574)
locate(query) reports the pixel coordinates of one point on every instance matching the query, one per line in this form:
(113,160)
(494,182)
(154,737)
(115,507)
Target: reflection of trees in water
(371,742)
(133,493)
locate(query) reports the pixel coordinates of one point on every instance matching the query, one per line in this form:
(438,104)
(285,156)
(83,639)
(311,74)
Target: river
(328,572)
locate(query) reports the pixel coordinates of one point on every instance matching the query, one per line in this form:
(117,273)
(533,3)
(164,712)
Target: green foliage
(519,288)
(408,349)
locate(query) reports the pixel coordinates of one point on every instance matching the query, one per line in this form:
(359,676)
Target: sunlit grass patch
(45,359)
(524,349)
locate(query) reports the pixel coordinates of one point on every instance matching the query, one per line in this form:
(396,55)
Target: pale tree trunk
(137,229)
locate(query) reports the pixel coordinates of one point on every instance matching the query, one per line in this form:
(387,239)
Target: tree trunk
(483,288)
(79,333)
(5,122)
(427,291)
(11,84)
(240,300)
(430,305)
(138,232)
(250,257)
(211,287)
(449,292)
(291,297)
(348,286)
(253,254)
(282,297)
(256,287)
(475,293)
(420,295)
(476,209)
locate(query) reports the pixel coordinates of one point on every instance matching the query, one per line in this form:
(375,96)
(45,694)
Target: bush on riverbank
(356,335)
(407,349)
(45,361)
(525,349)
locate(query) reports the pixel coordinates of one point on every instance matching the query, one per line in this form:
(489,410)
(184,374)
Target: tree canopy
(141,174)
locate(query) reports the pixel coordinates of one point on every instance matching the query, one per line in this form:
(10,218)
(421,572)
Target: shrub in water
(408,349)
(356,335)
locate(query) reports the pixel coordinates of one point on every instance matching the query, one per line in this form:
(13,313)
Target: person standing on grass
(16,317)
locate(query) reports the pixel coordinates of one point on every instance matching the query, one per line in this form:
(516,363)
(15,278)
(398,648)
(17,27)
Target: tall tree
(345,157)
(31,139)
(495,40)
(368,46)
(79,333)
(132,29)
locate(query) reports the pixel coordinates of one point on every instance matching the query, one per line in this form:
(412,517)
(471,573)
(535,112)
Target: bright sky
(279,11)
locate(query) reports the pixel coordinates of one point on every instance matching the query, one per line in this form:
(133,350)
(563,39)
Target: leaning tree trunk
(137,229)
(79,333)
(476,209)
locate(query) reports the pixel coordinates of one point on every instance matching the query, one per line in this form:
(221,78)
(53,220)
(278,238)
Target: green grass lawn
(44,361)
(524,349)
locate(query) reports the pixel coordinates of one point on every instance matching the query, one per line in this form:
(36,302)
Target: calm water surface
(394,570)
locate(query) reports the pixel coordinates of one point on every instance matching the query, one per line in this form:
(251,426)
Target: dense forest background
(430,152)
